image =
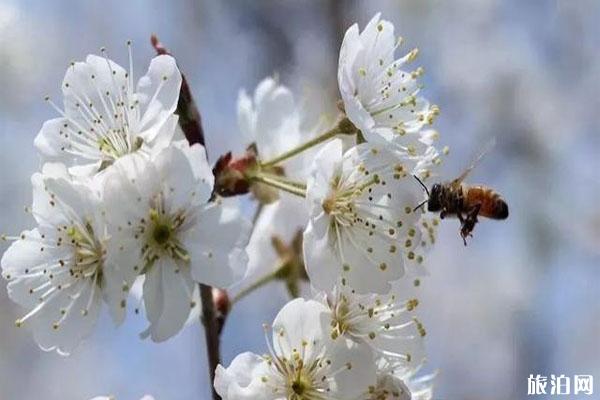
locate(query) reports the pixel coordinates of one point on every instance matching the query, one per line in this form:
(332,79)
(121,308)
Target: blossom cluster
(123,198)
(120,197)
(363,242)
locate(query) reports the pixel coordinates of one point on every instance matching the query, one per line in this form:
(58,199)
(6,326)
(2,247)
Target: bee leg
(463,223)
(469,222)
(474,212)
(466,229)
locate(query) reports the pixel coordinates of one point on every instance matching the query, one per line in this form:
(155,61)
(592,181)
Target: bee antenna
(420,205)
(422,184)
(426,191)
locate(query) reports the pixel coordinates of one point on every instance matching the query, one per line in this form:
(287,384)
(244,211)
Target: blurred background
(523,298)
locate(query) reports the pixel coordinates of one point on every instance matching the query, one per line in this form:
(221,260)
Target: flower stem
(295,188)
(259,283)
(304,146)
(283,179)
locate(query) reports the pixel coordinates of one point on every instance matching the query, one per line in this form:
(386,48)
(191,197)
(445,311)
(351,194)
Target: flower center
(304,373)
(161,234)
(89,252)
(300,382)
(341,202)
(340,323)
(116,144)
(389,387)
(347,191)
(362,318)
(299,386)
(329,204)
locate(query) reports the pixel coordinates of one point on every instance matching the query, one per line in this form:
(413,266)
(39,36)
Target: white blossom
(105,117)
(303,363)
(60,270)
(279,222)
(388,387)
(362,226)
(385,323)
(271,119)
(400,382)
(380,95)
(275,122)
(158,209)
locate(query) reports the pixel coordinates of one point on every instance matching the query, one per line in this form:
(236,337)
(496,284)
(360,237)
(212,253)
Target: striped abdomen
(492,204)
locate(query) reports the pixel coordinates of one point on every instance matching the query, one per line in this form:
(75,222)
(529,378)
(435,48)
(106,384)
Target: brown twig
(211,334)
(191,124)
(189,117)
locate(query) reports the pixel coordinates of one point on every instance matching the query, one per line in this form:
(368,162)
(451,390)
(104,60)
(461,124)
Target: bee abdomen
(492,204)
(501,208)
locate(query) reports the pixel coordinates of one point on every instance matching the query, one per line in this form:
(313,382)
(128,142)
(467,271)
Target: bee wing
(485,149)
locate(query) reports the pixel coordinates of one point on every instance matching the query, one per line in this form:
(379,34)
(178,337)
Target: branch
(211,334)
(191,124)
(189,117)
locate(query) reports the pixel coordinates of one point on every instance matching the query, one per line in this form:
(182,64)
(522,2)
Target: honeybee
(466,202)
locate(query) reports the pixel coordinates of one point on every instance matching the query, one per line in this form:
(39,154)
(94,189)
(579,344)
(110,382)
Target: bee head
(434,204)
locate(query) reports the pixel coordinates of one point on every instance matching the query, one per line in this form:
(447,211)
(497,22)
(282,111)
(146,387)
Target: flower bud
(221,301)
(231,175)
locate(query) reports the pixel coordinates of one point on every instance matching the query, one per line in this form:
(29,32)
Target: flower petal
(242,379)
(159,92)
(297,322)
(168,299)
(217,245)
